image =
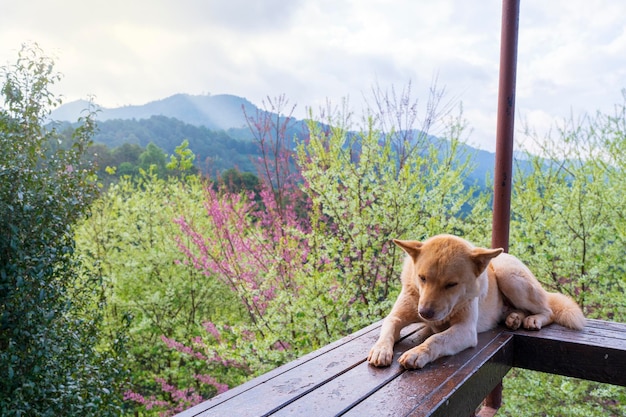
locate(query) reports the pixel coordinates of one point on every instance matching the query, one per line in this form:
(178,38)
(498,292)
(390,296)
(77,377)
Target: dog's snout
(427,313)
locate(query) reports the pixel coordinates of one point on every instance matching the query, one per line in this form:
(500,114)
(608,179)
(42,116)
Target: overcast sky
(571,58)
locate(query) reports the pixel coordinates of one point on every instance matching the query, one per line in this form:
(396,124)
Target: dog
(458,290)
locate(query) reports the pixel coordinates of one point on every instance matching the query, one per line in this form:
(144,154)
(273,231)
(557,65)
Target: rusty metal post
(503,172)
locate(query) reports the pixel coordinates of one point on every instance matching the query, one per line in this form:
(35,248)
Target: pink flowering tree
(210,349)
(257,244)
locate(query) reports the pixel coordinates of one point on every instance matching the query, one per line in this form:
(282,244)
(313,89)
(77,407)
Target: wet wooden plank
(273,390)
(248,388)
(594,334)
(607,326)
(597,353)
(359,382)
(472,383)
(453,385)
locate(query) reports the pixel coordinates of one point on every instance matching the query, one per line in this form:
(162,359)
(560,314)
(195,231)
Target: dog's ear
(481,257)
(412,247)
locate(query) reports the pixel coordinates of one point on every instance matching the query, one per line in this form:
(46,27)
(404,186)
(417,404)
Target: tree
(128,152)
(130,243)
(236,181)
(368,185)
(568,225)
(568,217)
(51,361)
(257,241)
(181,163)
(153,158)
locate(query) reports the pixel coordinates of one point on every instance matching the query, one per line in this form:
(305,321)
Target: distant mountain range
(206,121)
(219,112)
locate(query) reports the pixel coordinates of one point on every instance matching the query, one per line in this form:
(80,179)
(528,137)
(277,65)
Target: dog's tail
(565,311)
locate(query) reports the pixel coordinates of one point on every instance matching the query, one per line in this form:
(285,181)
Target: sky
(571,53)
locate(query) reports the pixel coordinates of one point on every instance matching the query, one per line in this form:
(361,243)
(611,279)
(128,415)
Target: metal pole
(503,171)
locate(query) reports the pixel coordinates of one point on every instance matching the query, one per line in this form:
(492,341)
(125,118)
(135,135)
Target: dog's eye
(422,278)
(451,285)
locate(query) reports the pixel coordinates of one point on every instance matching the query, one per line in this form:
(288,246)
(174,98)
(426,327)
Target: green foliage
(368,188)
(568,224)
(130,160)
(235,181)
(49,328)
(153,158)
(130,243)
(529,394)
(183,159)
(216,150)
(568,218)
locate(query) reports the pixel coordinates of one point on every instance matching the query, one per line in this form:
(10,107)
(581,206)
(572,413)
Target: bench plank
(350,387)
(593,334)
(275,389)
(434,390)
(593,354)
(203,408)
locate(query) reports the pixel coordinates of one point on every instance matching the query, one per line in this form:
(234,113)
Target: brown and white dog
(458,291)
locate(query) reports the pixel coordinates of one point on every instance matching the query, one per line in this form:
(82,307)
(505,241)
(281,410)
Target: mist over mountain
(218,112)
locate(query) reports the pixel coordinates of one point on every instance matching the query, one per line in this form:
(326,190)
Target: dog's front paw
(417,357)
(381,354)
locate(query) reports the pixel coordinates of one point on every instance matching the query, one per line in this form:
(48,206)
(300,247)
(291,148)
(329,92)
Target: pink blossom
(149,403)
(173,344)
(212,330)
(209,380)
(281,346)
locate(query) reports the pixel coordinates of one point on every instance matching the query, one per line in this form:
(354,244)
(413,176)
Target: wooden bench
(336,380)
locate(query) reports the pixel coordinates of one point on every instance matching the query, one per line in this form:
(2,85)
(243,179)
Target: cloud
(570,60)
(251,16)
(570,53)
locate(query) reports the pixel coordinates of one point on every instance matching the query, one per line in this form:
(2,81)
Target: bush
(51,361)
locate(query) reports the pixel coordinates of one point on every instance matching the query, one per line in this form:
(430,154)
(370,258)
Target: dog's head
(445,272)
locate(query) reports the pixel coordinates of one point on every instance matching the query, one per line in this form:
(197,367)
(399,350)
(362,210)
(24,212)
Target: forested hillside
(234,144)
(215,151)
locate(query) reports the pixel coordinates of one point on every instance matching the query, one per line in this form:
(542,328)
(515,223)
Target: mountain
(70,112)
(218,112)
(215,126)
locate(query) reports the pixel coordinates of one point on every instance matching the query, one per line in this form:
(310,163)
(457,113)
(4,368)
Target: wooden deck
(337,380)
